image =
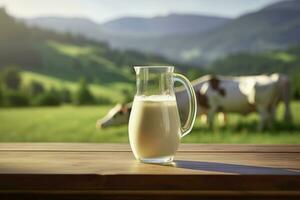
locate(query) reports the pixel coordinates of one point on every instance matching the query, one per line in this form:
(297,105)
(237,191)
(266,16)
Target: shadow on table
(232,168)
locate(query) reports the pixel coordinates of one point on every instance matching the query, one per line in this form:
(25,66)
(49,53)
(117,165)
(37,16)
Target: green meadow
(77,124)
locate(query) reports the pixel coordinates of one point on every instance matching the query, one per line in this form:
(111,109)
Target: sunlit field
(77,124)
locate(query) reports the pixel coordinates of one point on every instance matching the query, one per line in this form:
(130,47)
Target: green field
(77,124)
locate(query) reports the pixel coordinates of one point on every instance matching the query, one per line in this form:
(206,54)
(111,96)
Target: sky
(104,10)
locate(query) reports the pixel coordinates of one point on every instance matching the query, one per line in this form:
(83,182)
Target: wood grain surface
(75,171)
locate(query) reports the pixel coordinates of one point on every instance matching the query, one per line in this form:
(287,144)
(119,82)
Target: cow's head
(118,115)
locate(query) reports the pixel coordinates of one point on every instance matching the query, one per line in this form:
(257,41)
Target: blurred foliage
(128,95)
(297,94)
(47,99)
(35,88)
(65,95)
(1,94)
(103,100)
(111,92)
(15,99)
(194,73)
(11,77)
(83,95)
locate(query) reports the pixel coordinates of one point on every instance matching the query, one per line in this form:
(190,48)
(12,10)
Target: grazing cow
(245,94)
(220,94)
(119,114)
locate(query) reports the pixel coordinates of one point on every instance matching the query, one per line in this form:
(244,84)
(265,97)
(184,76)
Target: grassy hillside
(99,64)
(62,59)
(66,56)
(70,61)
(77,124)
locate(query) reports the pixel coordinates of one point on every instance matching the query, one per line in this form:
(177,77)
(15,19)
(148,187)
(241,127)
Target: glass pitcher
(154,124)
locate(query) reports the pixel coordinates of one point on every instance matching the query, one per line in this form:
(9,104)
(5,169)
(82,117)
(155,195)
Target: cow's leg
(273,110)
(286,97)
(264,117)
(271,117)
(211,117)
(287,114)
(225,118)
(273,113)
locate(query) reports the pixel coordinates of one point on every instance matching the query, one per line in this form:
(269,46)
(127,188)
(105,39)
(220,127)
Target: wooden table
(109,171)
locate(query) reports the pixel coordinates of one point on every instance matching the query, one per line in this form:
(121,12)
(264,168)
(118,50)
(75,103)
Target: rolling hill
(67,58)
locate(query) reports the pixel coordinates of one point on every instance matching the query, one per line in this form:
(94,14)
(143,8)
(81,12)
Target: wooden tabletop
(67,170)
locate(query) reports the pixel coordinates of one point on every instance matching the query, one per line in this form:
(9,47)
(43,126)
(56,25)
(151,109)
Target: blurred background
(64,64)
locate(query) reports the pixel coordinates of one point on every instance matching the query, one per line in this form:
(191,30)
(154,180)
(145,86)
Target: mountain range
(141,27)
(274,27)
(191,38)
(172,24)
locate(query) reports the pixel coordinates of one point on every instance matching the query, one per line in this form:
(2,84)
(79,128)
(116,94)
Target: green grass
(57,124)
(70,49)
(77,124)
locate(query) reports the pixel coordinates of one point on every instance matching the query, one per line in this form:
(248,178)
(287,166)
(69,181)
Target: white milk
(154,127)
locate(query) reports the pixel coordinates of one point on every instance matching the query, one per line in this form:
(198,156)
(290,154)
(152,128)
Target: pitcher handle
(187,127)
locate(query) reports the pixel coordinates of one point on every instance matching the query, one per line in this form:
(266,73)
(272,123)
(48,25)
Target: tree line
(15,94)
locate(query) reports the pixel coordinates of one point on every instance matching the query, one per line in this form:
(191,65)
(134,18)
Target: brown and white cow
(221,94)
(245,94)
